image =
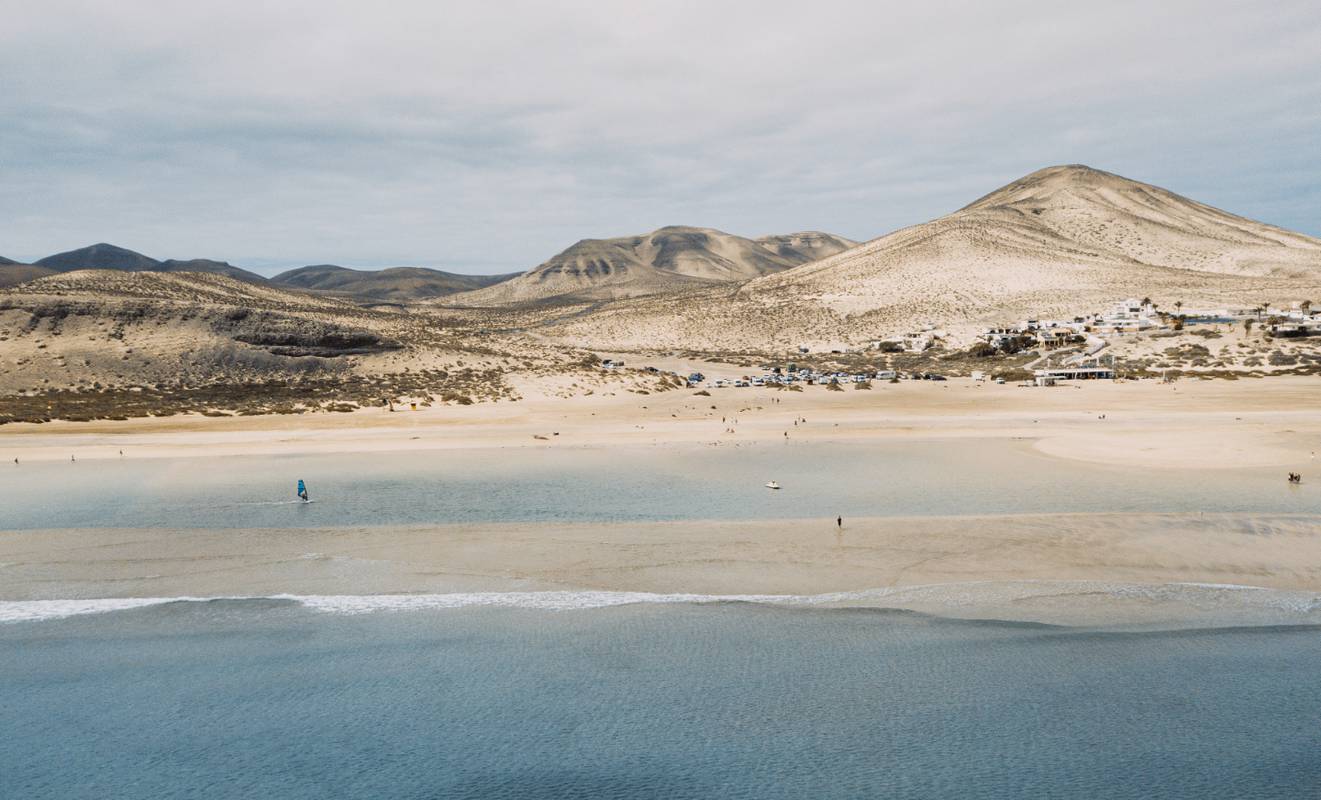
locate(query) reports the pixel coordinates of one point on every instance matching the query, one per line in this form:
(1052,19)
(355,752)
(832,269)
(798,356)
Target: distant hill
(4,260)
(99,256)
(207,265)
(670,258)
(13,273)
(1061,241)
(109,256)
(394,285)
(806,246)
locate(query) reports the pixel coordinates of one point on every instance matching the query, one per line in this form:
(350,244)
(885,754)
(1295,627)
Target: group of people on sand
(1295,477)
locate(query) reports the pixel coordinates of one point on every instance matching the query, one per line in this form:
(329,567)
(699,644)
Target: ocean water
(273,698)
(617,485)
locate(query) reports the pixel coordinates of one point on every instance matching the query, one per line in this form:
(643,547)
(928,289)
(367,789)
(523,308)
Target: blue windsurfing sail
(302,489)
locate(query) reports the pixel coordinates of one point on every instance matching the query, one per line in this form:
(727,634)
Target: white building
(1129,315)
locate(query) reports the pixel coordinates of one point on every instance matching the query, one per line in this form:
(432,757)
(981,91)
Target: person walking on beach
(839,523)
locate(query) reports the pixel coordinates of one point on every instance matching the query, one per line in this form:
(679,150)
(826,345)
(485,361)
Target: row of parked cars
(811,377)
(779,377)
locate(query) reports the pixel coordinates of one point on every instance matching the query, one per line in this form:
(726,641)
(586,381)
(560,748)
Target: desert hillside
(97,344)
(1059,242)
(670,258)
(394,285)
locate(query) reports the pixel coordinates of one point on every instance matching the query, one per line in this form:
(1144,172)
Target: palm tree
(1265,306)
(1178,306)
(1306,306)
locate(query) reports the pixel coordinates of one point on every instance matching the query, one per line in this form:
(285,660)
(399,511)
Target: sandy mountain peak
(1061,241)
(670,258)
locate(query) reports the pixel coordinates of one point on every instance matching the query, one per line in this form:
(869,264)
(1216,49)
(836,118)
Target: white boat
(772,485)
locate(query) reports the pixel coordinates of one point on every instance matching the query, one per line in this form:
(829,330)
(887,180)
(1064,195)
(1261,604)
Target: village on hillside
(1081,348)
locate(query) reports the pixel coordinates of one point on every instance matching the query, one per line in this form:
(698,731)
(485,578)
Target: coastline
(1043,567)
(1244,425)
(1193,425)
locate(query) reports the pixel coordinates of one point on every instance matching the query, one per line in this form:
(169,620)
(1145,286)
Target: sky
(484,137)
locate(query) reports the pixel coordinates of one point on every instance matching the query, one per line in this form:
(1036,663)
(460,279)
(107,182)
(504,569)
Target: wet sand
(944,563)
(1258,424)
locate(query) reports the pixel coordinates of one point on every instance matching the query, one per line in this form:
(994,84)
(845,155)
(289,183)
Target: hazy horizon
(483,140)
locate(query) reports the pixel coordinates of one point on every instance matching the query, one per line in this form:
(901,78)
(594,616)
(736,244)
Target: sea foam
(973,594)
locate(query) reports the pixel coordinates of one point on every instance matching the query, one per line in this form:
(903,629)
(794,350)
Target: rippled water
(264,698)
(617,485)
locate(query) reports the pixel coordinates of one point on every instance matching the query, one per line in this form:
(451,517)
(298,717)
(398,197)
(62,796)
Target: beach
(1186,425)
(1109,443)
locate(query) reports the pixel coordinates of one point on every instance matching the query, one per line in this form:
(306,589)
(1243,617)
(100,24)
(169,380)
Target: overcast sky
(486,136)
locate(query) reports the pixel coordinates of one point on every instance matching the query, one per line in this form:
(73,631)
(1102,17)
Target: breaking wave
(978,594)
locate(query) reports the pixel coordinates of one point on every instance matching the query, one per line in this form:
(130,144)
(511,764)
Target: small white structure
(1129,315)
(1082,372)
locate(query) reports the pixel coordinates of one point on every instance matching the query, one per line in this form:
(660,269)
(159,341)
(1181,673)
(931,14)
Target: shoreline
(1256,426)
(1000,567)
(1199,425)
(1056,604)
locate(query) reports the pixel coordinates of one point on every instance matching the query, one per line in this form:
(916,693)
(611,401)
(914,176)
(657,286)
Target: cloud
(485,137)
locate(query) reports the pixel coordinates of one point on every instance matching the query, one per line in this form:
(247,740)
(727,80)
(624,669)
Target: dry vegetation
(107,345)
(1221,351)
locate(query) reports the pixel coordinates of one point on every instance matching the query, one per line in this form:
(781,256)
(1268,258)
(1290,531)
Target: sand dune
(663,260)
(1059,242)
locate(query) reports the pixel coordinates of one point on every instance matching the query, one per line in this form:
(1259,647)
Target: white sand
(1267,424)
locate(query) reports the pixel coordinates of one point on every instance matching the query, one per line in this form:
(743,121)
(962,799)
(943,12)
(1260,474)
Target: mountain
(1062,241)
(108,256)
(99,256)
(669,258)
(4,261)
(395,285)
(207,265)
(805,246)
